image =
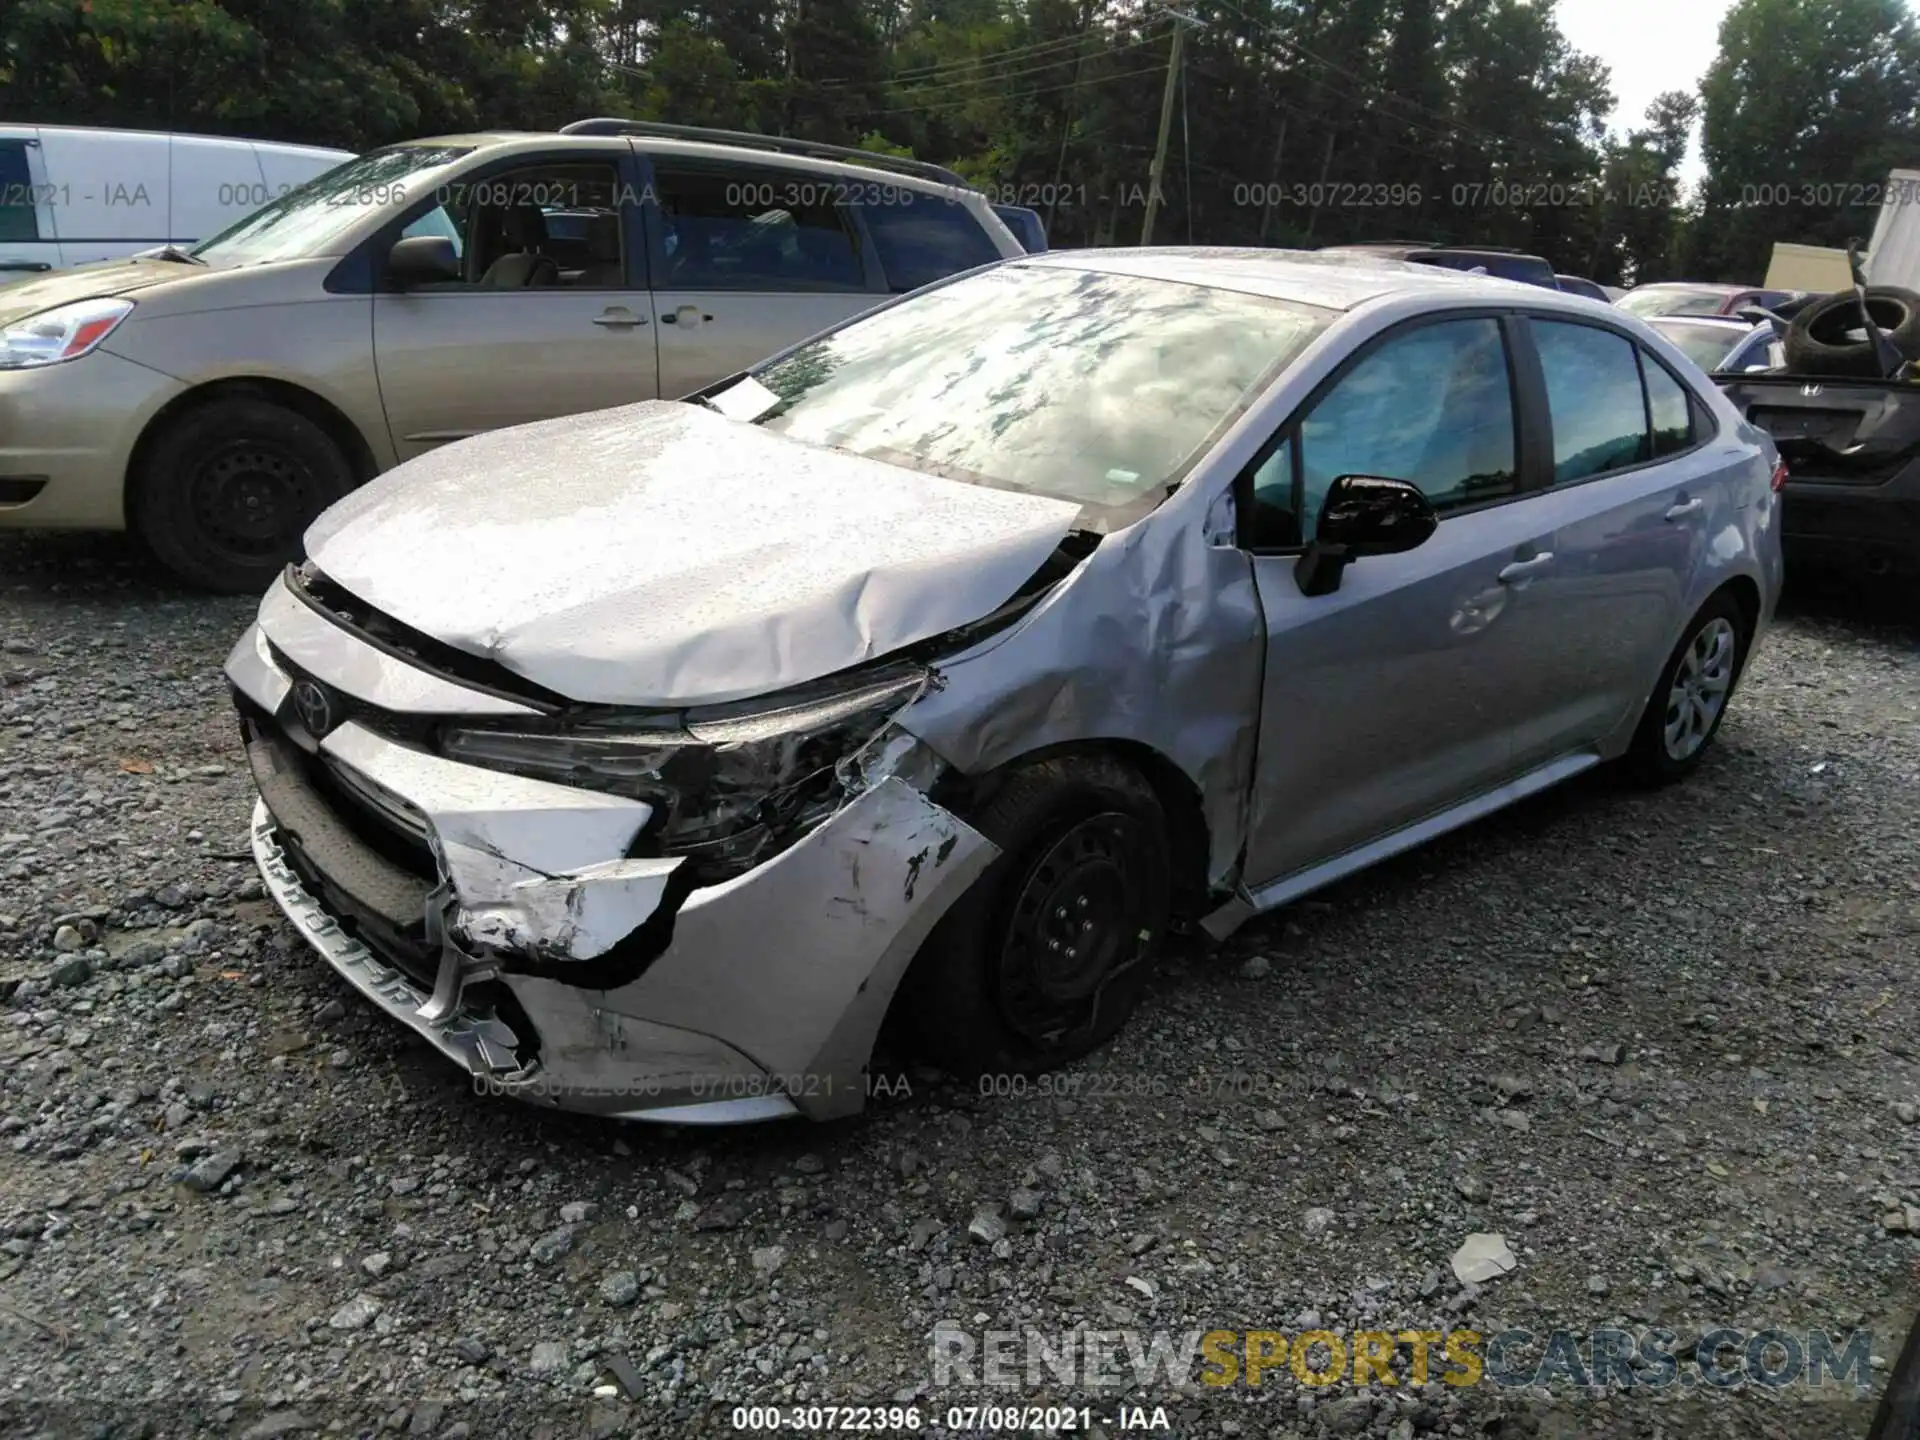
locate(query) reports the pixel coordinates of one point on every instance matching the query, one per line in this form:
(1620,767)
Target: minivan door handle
(1522,571)
(618,317)
(1680,510)
(685,315)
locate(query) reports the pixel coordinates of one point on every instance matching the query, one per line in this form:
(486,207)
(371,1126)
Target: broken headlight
(727,784)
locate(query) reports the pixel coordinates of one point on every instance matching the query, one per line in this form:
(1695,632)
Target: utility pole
(1180,23)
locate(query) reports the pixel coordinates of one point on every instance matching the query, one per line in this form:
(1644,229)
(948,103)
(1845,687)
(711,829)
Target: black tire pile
(1829,336)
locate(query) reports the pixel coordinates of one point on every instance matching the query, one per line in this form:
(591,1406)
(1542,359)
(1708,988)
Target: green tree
(1804,111)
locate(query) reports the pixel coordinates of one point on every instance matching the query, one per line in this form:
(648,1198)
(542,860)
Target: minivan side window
(17,218)
(734,227)
(535,228)
(924,238)
(1433,406)
(1594,399)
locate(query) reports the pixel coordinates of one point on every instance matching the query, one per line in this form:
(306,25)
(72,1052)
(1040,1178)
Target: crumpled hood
(661,554)
(87,282)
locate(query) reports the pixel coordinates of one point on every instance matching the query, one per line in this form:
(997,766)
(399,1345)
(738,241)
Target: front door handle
(1521,571)
(619,318)
(1684,508)
(685,315)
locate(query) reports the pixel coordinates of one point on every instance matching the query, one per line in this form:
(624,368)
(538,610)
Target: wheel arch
(304,402)
(1188,836)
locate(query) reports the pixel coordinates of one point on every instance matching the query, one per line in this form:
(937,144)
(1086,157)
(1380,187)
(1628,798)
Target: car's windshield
(1705,344)
(1672,300)
(310,219)
(1097,388)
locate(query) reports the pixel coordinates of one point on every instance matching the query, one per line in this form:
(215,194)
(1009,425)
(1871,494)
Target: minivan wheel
(229,488)
(1047,954)
(1690,699)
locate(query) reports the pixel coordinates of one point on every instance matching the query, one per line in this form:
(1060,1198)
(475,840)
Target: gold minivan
(216,400)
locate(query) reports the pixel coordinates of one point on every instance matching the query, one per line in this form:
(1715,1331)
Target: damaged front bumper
(505,921)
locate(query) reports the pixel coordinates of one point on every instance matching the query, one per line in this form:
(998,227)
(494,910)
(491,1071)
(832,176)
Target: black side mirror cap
(1363,515)
(422,260)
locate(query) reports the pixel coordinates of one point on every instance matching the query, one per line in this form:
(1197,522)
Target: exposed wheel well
(1188,837)
(342,431)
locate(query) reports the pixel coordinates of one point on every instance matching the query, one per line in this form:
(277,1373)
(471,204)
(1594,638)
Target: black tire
(1652,758)
(1820,340)
(228,489)
(1085,838)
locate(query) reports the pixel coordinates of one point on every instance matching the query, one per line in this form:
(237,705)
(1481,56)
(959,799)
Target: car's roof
(665,145)
(1334,281)
(1715,286)
(1724,321)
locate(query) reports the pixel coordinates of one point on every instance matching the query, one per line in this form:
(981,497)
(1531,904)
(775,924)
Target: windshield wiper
(170,251)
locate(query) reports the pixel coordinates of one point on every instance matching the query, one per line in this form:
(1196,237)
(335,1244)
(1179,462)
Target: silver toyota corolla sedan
(647,761)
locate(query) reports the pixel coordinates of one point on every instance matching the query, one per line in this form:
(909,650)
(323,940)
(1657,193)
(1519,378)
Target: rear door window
(17,196)
(743,228)
(923,238)
(1594,399)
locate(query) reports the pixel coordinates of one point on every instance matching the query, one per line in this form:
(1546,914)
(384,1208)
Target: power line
(982,62)
(965,100)
(918,89)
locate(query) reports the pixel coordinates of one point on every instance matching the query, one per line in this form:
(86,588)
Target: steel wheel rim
(1078,921)
(250,500)
(1701,682)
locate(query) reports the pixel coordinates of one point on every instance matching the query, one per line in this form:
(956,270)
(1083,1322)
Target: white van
(69,195)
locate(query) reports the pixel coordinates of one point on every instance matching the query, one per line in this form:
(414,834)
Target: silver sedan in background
(647,761)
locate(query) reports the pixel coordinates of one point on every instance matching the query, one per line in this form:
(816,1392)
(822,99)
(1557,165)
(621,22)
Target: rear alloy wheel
(1690,699)
(1047,954)
(229,489)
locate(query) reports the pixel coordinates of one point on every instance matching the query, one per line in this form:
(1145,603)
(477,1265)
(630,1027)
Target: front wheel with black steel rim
(227,490)
(1690,699)
(1047,954)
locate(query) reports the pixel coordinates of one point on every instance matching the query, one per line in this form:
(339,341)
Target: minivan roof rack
(613,125)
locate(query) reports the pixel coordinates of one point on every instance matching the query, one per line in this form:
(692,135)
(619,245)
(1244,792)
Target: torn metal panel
(327,652)
(795,962)
(1157,639)
(677,557)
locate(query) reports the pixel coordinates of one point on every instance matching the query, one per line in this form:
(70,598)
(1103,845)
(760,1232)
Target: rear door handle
(619,319)
(1685,508)
(1521,571)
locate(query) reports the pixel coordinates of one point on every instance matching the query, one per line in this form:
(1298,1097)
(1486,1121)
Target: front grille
(372,874)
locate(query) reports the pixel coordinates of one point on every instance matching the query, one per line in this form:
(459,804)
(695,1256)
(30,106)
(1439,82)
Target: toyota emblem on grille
(314,707)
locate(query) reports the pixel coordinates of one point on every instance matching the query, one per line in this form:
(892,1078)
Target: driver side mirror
(1362,515)
(422,260)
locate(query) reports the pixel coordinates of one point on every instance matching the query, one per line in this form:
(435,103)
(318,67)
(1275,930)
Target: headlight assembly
(65,332)
(726,784)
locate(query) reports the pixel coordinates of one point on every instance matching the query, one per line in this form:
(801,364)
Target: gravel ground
(1662,1044)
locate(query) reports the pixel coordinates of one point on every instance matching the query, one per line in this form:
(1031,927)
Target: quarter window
(924,238)
(1598,409)
(1433,407)
(1670,408)
(733,228)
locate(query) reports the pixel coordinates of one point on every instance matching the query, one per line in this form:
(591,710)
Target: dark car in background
(1580,285)
(1503,264)
(1026,226)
